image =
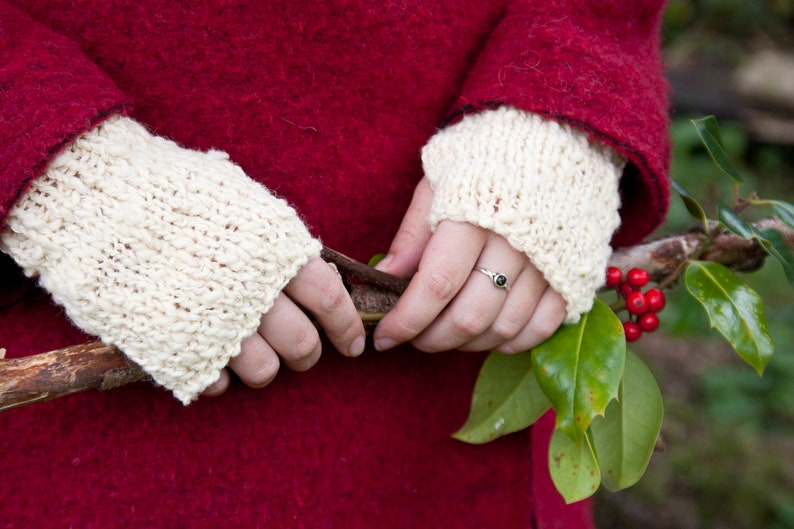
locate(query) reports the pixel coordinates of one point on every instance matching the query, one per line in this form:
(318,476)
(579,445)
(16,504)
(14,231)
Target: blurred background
(729,434)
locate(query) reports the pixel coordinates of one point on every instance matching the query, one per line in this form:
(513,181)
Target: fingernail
(383,344)
(357,347)
(384,263)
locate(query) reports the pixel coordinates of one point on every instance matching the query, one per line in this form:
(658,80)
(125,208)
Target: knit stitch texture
(513,173)
(170,254)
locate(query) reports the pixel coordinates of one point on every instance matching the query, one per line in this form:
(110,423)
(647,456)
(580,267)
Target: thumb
(409,243)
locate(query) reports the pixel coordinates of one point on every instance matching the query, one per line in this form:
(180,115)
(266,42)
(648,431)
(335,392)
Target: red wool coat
(328,104)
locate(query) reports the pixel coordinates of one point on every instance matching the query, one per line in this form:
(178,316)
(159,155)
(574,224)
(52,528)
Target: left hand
(451,305)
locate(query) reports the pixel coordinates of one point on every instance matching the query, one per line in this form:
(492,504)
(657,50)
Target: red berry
(655,299)
(614,276)
(637,277)
(626,289)
(636,303)
(648,322)
(632,331)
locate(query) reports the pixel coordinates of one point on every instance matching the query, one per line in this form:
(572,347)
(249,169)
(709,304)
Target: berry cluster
(641,306)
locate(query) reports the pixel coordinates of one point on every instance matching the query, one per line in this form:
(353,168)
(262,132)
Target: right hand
(286,334)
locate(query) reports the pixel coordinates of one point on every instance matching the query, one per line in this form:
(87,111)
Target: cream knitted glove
(545,187)
(170,254)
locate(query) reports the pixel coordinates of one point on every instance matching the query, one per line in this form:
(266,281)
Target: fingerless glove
(170,254)
(546,187)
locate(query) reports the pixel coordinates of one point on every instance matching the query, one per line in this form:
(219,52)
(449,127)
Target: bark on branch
(662,257)
(95,365)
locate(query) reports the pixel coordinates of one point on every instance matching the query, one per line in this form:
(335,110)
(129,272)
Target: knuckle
(505,329)
(261,372)
(402,330)
(303,351)
(332,297)
(406,237)
(439,283)
(469,324)
(408,329)
(543,328)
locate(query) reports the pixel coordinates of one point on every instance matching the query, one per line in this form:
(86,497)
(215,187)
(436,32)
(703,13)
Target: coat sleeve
(50,93)
(594,64)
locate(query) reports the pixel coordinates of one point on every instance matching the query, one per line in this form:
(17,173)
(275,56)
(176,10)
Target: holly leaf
(709,133)
(734,309)
(692,205)
(624,439)
(775,245)
(506,398)
(573,467)
(784,211)
(771,240)
(580,367)
(733,222)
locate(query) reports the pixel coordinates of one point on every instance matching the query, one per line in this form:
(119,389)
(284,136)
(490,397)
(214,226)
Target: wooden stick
(96,365)
(47,376)
(351,268)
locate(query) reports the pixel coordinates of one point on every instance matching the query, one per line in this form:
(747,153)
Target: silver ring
(498,279)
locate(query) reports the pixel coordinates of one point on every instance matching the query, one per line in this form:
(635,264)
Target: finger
(412,237)
(291,334)
(522,300)
(219,386)
(546,319)
(319,289)
(478,303)
(445,266)
(257,364)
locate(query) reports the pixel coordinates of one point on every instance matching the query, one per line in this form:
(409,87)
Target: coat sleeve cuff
(170,254)
(544,186)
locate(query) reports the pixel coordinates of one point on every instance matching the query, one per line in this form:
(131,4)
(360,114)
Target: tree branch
(95,365)
(662,257)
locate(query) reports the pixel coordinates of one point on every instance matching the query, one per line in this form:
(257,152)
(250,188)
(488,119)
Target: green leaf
(784,211)
(709,133)
(775,245)
(507,398)
(579,368)
(375,259)
(733,222)
(573,467)
(625,437)
(734,309)
(692,205)
(770,239)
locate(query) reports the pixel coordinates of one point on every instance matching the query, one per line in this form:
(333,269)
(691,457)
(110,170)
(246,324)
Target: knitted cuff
(172,255)
(544,186)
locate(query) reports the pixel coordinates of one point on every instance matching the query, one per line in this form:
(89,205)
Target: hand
(286,332)
(449,304)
